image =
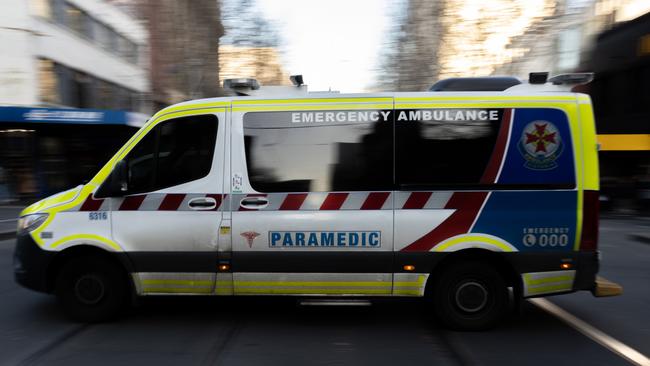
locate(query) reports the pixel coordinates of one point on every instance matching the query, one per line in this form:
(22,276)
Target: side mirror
(120,177)
(117,183)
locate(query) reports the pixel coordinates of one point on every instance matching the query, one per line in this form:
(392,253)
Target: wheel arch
(81,250)
(496,259)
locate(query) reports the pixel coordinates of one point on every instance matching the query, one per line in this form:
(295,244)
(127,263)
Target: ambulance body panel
(338,195)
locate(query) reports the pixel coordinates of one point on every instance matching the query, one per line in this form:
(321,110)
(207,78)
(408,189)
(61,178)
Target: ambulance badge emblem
(250,237)
(540,145)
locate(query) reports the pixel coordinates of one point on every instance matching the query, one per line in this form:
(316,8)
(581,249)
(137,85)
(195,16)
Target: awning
(73,116)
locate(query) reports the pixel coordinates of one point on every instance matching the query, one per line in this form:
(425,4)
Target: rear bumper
(31,263)
(605,288)
(545,274)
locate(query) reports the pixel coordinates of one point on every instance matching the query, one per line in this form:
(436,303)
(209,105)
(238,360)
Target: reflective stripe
(311,291)
(487,98)
(549,280)
(316,107)
(406,284)
(637,142)
(313,283)
(163,282)
(313,101)
(183,290)
(539,283)
(224,284)
(485,104)
(474,241)
(52,201)
(84,237)
(410,284)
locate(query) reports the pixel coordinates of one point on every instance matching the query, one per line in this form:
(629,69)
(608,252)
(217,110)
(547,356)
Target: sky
(334,44)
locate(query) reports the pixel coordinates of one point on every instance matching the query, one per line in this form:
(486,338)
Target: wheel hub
(471,296)
(89,289)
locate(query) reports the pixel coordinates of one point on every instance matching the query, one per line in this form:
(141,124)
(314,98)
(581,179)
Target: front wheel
(470,296)
(91,289)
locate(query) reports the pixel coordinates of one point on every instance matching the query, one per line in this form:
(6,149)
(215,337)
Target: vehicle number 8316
(93,216)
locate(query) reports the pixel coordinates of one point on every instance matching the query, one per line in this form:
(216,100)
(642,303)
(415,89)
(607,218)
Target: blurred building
(73,87)
(440,39)
(261,63)
(411,57)
(564,39)
(184,47)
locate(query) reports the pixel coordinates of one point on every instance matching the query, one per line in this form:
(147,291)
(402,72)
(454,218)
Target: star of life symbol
(250,236)
(540,145)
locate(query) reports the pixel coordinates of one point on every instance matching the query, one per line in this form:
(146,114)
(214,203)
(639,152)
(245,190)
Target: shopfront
(47,150)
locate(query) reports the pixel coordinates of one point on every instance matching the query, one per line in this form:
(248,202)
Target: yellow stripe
(583,138)
(419,282)
(486,104)
(93,237)
(546,289)
(324,107)
(312,101)
(486,98)
(52,201)
(176,108)
(472,239)
(637,142)
(310,291)
(407,292)
(182,113)
(531,281)
(408,284)
(178,290)
(177,282)
(310,284)
(590,147)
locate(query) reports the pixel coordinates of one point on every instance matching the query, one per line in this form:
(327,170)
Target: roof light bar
(578,78)
(537,77)
(241,83)
(296,80)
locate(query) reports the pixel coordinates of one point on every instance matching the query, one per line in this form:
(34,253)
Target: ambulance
(473,200)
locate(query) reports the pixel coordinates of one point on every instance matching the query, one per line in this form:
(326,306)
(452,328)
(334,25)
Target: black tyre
(470,296)
(91,289)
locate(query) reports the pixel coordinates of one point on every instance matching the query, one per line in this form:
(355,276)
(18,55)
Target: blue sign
(71,116)
(331,239)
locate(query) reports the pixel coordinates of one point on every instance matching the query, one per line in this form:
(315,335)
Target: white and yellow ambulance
(460,197)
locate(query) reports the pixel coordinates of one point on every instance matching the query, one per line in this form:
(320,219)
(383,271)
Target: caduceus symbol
(250,236)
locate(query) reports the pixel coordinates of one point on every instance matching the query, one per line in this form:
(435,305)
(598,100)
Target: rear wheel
(470,296)
(91,289)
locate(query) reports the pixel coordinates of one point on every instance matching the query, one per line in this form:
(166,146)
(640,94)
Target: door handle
(254,202)
(202,203)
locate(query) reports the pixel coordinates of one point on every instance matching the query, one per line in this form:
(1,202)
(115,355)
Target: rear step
(334,302)
(606,288)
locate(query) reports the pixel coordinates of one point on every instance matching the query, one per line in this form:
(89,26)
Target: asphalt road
(265,331)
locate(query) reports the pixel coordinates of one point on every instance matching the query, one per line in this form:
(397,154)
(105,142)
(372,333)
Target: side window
(141,163)
(444,147)
(319,151)
(458,149)
(185,150)
(174,152)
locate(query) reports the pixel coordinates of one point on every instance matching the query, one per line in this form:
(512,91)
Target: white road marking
(614,345)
